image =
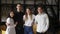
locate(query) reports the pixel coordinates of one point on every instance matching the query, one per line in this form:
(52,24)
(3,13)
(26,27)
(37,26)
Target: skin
(28,11)
(40,10)
(11,15)
(19,7)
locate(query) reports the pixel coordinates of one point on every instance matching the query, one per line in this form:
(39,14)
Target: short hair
(41,6)
(19,3)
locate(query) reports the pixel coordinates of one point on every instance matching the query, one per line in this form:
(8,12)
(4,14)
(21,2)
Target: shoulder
(8,18)
(45,14)
(33,15)
(36,15)
(23,16)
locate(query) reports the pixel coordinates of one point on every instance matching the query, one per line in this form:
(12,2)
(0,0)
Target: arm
(47,22)
(8,22)
(24,18)
(35,20)
(13,25)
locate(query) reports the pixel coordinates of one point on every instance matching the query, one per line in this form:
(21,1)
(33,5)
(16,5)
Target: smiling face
(28,11)
(11,14)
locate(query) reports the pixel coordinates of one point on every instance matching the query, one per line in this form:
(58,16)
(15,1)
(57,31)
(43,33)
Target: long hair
(26,15)
(9,14)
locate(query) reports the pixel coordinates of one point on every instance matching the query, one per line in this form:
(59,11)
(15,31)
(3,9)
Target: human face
(11,14)
(39,10)
(19,7)
(28,11)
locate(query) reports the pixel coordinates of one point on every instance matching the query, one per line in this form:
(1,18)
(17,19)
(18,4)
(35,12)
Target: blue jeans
(28,30)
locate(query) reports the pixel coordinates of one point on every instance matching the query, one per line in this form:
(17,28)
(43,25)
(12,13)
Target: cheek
(27,11)
(17,7)
(38,10)
(12,14)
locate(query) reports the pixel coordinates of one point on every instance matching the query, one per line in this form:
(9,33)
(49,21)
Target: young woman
(10,24)
(29,19)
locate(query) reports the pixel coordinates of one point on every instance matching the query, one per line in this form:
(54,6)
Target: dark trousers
(19,30)
(28,30)
(40,33)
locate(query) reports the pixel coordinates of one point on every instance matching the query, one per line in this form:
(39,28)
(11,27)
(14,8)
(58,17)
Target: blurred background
(51,7)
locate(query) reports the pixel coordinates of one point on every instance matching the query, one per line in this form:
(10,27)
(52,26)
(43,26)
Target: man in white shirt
(42,21)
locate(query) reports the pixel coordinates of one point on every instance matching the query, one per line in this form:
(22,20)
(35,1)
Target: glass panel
(3,1)
(12,1)
(4,12)
(48,2)
(51,2)
(49,11)
(18,1)
(55,10)
(40,1)
(29,2)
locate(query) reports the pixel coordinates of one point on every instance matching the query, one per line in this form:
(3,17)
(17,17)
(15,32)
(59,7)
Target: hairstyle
(19,4)
(9,13)
(26,15)
(41,6)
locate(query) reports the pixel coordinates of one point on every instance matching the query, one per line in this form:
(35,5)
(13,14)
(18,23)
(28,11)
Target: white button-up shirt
(42,22)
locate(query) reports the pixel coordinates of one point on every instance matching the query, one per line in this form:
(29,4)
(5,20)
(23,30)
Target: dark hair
(10,12)
(30,13)
(40,5)
(19,3)
(29,8)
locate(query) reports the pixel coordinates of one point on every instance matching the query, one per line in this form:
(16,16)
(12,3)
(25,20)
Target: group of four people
(20,23)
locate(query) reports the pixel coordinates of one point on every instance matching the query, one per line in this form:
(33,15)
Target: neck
(40,13)
(18,10)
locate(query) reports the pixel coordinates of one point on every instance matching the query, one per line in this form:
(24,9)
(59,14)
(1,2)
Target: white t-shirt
(29,21)
(11,22)
(10,28)
(42,22)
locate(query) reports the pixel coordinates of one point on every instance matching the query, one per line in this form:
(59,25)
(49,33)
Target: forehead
(39,8)
(11,12)
(18,5)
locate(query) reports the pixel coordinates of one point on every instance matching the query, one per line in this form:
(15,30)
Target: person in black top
(19,19)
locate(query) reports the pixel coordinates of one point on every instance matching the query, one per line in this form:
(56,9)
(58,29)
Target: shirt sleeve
(8,20)
(47,22)
(24,17)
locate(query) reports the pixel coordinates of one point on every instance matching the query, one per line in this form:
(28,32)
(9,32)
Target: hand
(16,24)
(7,24)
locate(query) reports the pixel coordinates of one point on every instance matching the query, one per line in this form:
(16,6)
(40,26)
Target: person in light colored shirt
(29,20)
(42,21)
(10,24)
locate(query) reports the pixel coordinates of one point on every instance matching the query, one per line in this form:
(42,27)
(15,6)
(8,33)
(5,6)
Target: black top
(19,17)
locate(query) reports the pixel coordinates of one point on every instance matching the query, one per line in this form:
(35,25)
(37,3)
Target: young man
(42,21)
(19,18)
